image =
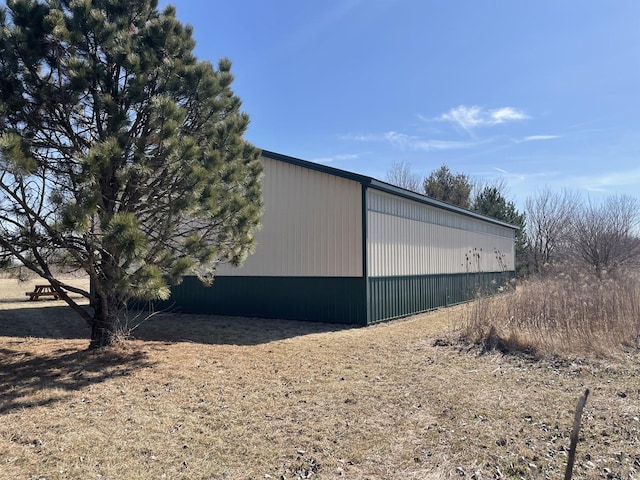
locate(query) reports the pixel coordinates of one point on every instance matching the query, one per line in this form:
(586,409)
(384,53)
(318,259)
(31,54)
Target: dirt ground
(196,396)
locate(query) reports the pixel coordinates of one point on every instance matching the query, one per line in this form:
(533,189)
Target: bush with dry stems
(570,314)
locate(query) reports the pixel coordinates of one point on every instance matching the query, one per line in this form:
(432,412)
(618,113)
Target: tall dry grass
(205,397)
(569,314)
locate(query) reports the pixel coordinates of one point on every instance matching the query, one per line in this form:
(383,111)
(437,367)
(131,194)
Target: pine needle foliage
(492,203)
(121,154)
(446,186)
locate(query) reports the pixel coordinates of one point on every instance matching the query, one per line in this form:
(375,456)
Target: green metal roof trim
(370,182)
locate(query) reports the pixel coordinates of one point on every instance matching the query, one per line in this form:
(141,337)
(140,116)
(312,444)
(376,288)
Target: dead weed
(206,400)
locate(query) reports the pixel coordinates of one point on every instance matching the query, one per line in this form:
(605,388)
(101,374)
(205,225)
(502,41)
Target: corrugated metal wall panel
(320,299)
(312,225)
(382,202)
(408,238)
(393,297)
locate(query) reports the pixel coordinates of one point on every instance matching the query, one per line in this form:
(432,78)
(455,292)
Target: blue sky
(534,93)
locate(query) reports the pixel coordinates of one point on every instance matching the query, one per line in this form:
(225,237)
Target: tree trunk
(103,334)
(104,327)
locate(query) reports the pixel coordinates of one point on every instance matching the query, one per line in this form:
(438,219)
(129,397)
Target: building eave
(370,182)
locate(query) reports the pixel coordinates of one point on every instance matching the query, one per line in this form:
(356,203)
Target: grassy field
(217,397)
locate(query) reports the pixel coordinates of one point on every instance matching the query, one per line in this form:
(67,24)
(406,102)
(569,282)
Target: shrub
(572,313)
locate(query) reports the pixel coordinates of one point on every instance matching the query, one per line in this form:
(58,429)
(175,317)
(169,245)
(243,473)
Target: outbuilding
(336,246)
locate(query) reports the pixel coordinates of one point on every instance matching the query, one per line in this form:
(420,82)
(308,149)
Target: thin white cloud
(431,145)
(409,142)
(536,138)
(401,140)
(519,184)
(465,117)
(510,177)
(469,118)
(334,158)
(367,137)
(506,114)
(604,181)
(347,156)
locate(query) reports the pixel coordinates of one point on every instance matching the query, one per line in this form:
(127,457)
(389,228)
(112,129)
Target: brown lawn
(203,397)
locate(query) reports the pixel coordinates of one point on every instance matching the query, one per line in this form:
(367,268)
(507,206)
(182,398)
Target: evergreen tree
(490,202)
(443,185)
(120,152)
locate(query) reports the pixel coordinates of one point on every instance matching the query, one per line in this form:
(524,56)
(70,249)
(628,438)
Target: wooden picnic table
(43,291)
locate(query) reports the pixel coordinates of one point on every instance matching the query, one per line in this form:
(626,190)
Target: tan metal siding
(408,238)
(311,226)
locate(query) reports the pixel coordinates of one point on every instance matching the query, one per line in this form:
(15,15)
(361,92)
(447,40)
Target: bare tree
(549,217)
(605,235)
(401,175)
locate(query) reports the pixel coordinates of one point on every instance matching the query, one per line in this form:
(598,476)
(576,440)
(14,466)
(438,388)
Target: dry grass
(215,397)
(568,315)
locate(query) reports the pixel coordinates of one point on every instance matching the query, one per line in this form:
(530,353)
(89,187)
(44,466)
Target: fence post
(574,435)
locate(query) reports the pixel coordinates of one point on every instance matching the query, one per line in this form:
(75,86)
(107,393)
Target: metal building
(340,247)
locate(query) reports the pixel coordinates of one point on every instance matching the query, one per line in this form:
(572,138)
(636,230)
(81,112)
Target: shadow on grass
(31,380)
(224,330)
(60,322)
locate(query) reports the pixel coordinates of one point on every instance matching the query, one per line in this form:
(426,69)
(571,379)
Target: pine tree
(490,202)
(443,185)
(120,153)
